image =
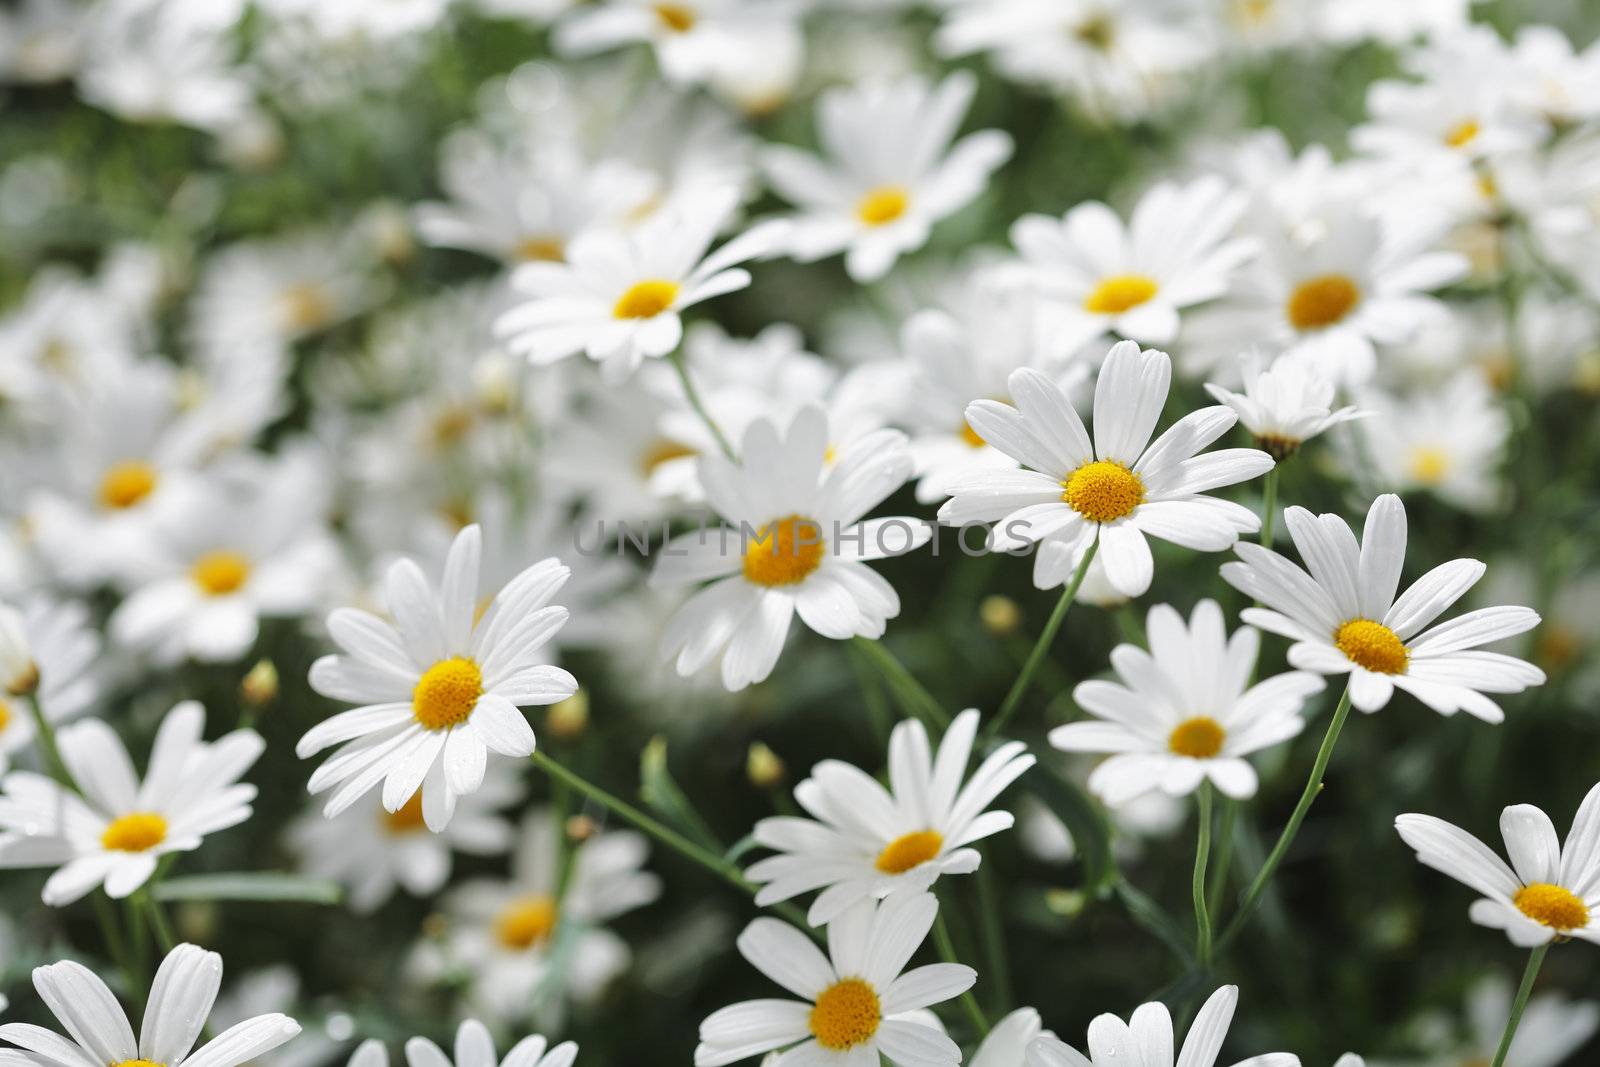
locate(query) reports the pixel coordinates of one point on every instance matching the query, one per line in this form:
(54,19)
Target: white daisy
(868,842)
(1179,249)
(1550,892)
(800,546)
(475,1048)
(1186,711)
(1146,1039)
(692,39)
(1449,439)
(853,1001)
(50,649)
(181,996)
(1114,491)
(444,683)
(1344,618)
(617,298)
(1285,405)
(1007,1043)
(19,668)
(1552,1027)
(891,171)
(120,828)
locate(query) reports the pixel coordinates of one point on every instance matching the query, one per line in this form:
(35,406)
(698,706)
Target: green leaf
(1091,833)
(250,885)
(1155,920)
(658,790)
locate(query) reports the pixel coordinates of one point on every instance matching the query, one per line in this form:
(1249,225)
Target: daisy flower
(181,996)
(868,842)
(443,683)
(1552,1027)
(1115,491)
(692,39)
(1179,249)
(854,1001)
(1549,892)
(1344,618)
(1185,712)
(1449,439)
(120,828)
(47,649)
(474,1047)
(799,546)
(617,297)
(891,171)
(1008,1042)
(1146,1039)
(1284,406)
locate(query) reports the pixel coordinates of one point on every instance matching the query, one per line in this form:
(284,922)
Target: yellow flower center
(1097,31)
(1429,464)
(1557,646)
(125,484)
(306,307)
(909,850)
(646,299)
(446,693)
(1102,491)
(526,922)
(137,831)
(846,1014)
(1372,645)
(883,205)
(408,819)
(1462,133)
(1552,906)
(1118,293)
(220,573)
(1322,301)
(1198,738)
(784,551)
(662,451)
(971,436)
(5,716)
(452,424)
(541,249)
(139,1063)
(1254,11)
(679,18)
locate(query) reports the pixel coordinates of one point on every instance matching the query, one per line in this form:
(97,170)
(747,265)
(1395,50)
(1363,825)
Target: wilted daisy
(853,1001)
(1186,711)
(1342,614)
(474,1047)
(617,297)
(47,651)
(891,171)
(1549,892)
(869,842)
(800,546)
(181,995)
(1116,489)
(445,682)
(1285,405)
(1146,1039)
(116,832)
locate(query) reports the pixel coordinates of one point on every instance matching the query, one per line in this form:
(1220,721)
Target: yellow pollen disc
(446,693)
(1462,134)
(1198,738)
(221,572)
(5,716)
(1558,646)
(306,307)
(1552,906)
(909,850)
(1118,293)
(646,299)
(1428,464)
(1322,301)
(408,819)
(139,831)
(1102,491)
(541,250)
(662,451)
(1097,32)
(1254,11)
(784,551)
(452,424)
(679,18)
(526,922)
(846,1014)
(138,1063)
(883,205)
(125,484)
(970,436)
(1372,645)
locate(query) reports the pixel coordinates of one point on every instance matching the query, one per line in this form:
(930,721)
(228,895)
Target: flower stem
(1269,505)
(158,921)
(1529,975)
(910,693)
(993,937)
(1252,896)
(1224,851)
(47,742)
(1202,855)
(947,952)
(693,396)
(1047,637)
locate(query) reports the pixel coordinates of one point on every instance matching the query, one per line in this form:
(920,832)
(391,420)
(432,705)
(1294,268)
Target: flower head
(1146,1039)
(1285,405)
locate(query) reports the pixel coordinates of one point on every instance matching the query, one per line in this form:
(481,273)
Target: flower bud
(259,687)
(19,674)
(764,768)
(568,718)
(1000,615)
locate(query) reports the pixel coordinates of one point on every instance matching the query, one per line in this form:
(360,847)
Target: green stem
(1252,896)
(910,693)
(878,712)
(159,927)
(1202,855)
(693,396)
(947,952)
(993,936)
(1269,504)
(47,742)
(1047,637)
(1535,961)
(1223,850)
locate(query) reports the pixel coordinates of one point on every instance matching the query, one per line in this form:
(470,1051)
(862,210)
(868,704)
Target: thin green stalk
(878,712)
(47,742)
(111,934)
(1224,851)
(1269,504)
(1529,975)
(1252,896)
(1047,637)
(992,935)
(159,927)
(910,693)
(947,952)
(1202,855)
(693,396)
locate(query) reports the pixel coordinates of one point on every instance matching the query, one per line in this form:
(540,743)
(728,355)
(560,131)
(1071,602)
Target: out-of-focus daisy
(853,1002)
(618,296)
(1007,1043)
(692,39)
(444,683)
(41,40)
(474,1047)
(1179,249)
(361,18)
(181,995)
(1185,712)
(47,649)
(800,546)
(1552,1028)
(1285,405)
(1549,892)
(869,842)
(1147,1037)
(117,831)
(1448,439)
(891,171)
(277,988)
(1342,614)
(1116,490)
